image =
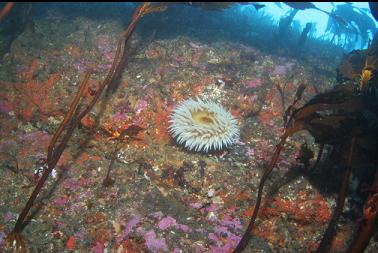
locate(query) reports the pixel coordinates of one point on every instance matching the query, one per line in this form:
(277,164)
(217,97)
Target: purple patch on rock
(8,216)
(131,224)
(2,237)
(212,237)
(153,243)
(171,222)
(221,230)
(279,70)
(140,106)
(71,184)
(167,222)
(253,83)
(4,108)
(80,235)
(230,222)
(128,228)
(98,248)
(60,202)
(212,208)
(176,250)
(230,240)
(195,205)
(184,228)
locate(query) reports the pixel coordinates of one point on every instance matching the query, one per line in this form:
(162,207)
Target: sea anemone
(203,125)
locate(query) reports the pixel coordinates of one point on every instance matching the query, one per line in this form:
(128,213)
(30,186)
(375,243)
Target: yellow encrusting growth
(365,78)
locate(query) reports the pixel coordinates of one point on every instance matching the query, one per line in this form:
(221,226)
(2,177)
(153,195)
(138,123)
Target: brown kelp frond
(124,40)
(72,118)
(5,10)
(291,109)
(55,150)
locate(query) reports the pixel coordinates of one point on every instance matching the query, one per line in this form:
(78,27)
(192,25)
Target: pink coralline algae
(80,235)
(223,237)
(119,116)
(154,244)
(230,222)
(195,205)
(253,83)
(71,184)
(98,248)
(131,224)
(176,250)
(129,228)
(225,241)
(168,221)
(60,202)
(140,106)
(212,208)
(231,242)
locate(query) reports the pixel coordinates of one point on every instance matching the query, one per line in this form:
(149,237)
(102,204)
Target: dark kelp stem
(247,234)
(71,120)
(325,244)
(108,181)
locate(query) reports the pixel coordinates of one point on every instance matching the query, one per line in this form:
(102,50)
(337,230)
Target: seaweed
(77,111)
(332,118)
